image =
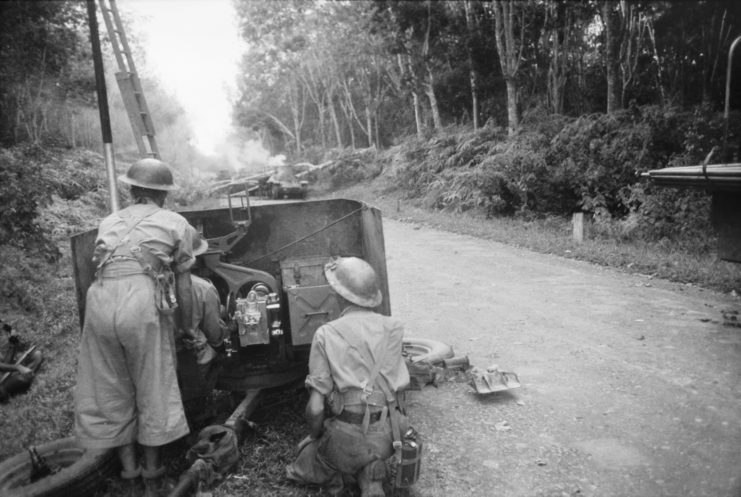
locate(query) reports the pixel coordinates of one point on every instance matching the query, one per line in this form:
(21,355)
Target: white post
(579,221)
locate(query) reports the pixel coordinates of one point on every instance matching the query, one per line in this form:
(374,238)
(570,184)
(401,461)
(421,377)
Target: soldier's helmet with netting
(355,280)
(149,173)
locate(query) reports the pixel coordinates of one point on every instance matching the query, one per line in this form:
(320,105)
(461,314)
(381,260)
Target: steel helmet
(149,173)
(355,280)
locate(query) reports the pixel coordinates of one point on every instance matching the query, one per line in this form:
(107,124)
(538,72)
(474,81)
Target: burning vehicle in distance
(286,182)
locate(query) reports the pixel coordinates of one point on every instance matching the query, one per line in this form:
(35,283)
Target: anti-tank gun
(266,262)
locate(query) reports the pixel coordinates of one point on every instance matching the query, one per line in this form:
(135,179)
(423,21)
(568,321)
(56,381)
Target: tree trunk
(417,115)
(430,92)
(472,76)
(335,123)
(322,126)
(512,114)
(561,21)
(375,128)
(73,137)
(510,53)
(611,20)
(369,125)
(349,119)
(296,112)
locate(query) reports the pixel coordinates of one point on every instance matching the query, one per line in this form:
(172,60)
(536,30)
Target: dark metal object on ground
(492,380)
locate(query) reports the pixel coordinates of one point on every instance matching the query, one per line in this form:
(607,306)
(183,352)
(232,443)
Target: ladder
(128,82)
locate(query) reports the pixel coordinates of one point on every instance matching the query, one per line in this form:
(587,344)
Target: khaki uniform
(127,388)
(338,366)
(207,329)
(206,311)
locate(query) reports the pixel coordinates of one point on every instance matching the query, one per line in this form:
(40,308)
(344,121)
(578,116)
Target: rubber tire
(83,473)
(425,350)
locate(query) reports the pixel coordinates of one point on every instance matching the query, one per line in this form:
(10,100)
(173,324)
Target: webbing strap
(394,416)
(124,238)
(374,372)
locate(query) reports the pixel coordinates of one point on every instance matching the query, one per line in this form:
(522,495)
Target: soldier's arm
(315,413)
(182,262)
(210,323)
(5,367)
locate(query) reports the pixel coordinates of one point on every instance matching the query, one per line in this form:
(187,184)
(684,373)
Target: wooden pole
(105,118)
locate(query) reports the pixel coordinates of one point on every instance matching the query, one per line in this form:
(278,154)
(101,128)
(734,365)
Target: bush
(349,167)
(71,174)
(557,164)
(22,279)
(21,192)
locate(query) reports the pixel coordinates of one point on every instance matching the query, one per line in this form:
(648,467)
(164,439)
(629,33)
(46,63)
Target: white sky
(193,48)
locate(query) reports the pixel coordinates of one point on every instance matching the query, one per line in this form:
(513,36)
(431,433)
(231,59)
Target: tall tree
(44,55)
(509,28)
(472,28)
(611,20)
(414,32)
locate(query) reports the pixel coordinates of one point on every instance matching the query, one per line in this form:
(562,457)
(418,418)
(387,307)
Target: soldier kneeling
(356,364)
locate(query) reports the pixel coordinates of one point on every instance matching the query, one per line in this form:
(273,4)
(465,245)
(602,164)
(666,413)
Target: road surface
(630,386)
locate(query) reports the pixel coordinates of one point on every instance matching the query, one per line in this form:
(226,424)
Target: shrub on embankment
(556,165)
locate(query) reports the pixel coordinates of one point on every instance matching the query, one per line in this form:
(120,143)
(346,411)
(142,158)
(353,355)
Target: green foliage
(66,185)
(22,278)
(21,192)
(42,45)
(349,167)
(557,165)
(658,213)
(74,173)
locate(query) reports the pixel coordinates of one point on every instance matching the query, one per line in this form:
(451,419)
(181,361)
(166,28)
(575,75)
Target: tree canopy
(365,73)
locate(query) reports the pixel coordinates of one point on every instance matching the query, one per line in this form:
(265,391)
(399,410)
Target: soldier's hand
(303,443)
(23,369)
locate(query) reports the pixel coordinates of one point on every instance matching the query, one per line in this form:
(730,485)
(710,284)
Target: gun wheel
(424,350)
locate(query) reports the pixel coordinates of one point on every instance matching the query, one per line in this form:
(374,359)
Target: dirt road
(631,386)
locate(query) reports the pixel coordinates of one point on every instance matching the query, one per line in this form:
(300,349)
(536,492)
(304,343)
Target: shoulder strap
(377,363)
(131,223)
(393,415)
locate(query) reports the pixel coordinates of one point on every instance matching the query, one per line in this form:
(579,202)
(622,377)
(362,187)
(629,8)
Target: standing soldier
(356,361)
(127,390)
